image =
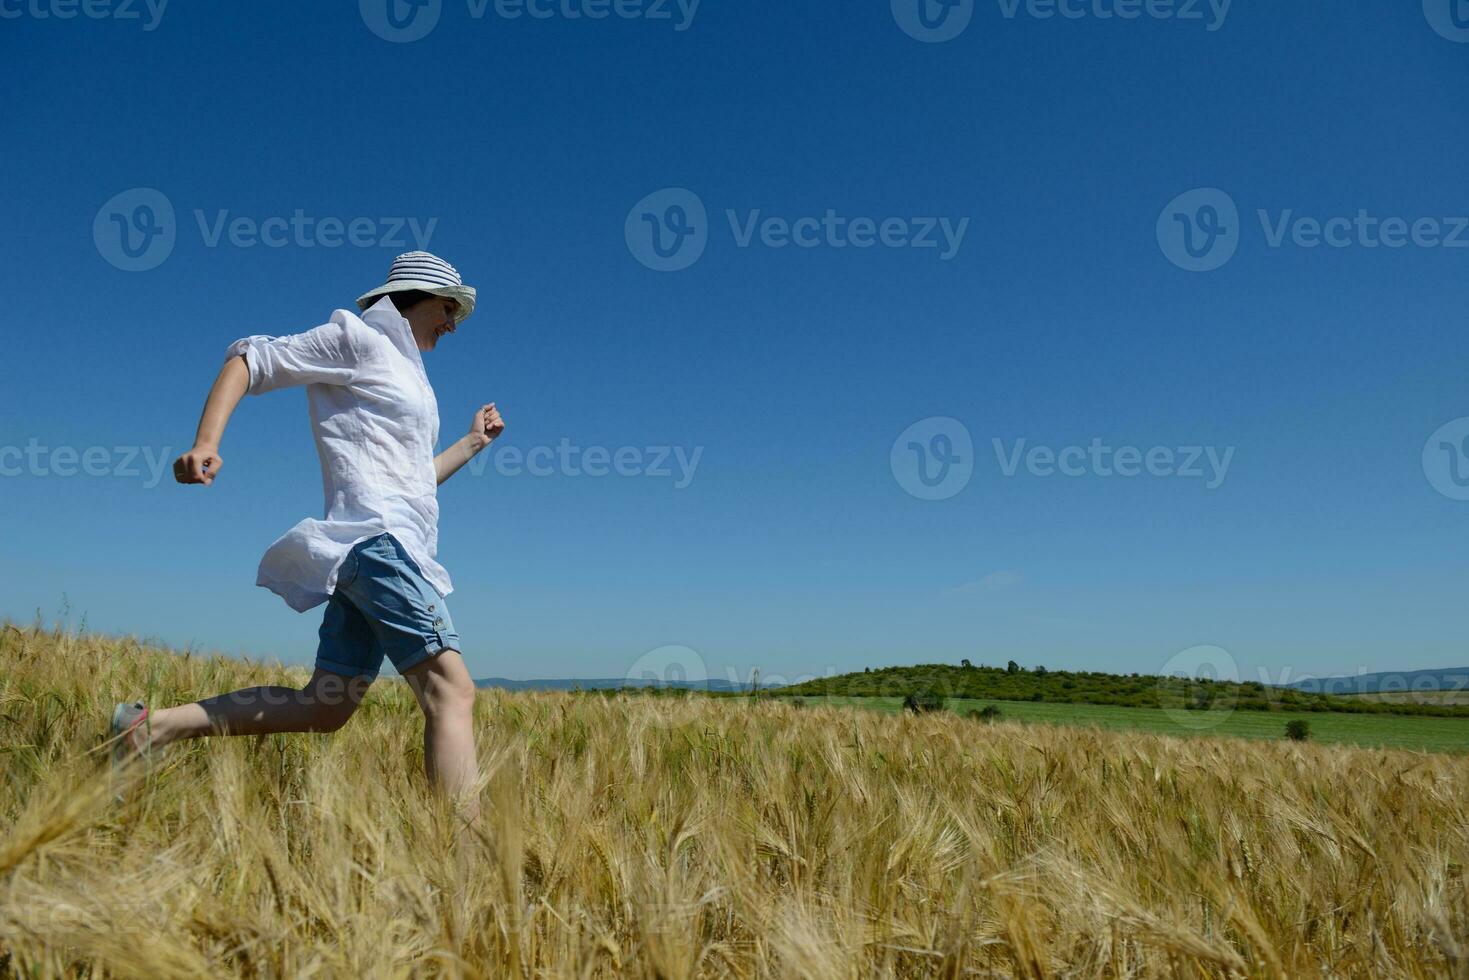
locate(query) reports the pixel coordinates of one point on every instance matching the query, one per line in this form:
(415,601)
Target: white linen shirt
(375,421)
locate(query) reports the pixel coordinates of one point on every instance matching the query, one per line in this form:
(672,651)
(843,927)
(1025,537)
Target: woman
(371,560)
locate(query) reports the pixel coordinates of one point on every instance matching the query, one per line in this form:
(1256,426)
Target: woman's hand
(485,429)
(487,426)
(199,465)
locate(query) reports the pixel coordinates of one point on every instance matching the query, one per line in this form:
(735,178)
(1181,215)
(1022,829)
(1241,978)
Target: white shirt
(375,421)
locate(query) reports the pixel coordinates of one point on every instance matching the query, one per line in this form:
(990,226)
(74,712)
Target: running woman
(371,559)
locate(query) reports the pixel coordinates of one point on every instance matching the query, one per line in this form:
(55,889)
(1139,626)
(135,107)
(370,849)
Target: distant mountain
(605,683)
(1447,679)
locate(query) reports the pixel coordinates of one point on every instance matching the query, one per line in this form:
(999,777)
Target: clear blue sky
(1060,319)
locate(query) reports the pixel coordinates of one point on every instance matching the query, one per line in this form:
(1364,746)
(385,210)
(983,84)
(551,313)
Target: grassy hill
(1088,687)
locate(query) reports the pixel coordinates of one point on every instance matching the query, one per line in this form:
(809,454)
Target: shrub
(923,701)
(986,714)
(1298,730)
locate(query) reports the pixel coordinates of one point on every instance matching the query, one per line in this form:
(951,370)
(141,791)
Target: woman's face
(430,319)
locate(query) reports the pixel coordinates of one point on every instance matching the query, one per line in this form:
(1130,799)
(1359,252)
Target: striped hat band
(423,267)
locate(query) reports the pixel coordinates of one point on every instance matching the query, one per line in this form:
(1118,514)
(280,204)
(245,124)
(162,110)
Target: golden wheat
(684,837)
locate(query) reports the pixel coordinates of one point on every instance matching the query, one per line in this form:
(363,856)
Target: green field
(1418,697)
(1374,731)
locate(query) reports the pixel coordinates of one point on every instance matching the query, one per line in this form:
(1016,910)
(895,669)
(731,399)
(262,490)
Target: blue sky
(1075,152)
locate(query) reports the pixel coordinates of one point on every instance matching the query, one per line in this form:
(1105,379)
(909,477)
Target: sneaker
(126,717)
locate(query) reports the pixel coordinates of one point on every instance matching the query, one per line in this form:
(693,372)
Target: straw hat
(429,273)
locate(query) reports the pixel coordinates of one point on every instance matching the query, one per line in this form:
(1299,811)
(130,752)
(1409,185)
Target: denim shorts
(382,605)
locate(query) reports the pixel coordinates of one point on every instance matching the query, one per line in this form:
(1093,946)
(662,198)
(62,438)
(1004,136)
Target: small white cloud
(993,582)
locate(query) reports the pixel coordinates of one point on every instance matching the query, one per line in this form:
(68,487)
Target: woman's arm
(203,463)
(487,427)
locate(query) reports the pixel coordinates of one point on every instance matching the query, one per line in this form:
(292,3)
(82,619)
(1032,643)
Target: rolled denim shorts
(382,605)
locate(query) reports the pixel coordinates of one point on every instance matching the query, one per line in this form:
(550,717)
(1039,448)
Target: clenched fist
(487,426)
(198,465)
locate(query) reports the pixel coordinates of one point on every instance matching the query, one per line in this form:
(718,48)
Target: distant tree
(866,670)
(1012,668)
(923,701)
(1039,669)
(988,713)
(1298,730)
(965,664)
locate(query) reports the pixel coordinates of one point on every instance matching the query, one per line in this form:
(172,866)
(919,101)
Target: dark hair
(408,297)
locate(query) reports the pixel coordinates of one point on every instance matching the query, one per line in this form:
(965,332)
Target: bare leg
(445,692)
(323,705)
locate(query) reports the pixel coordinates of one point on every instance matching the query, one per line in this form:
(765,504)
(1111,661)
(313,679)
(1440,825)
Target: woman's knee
(442,684)
(333,698)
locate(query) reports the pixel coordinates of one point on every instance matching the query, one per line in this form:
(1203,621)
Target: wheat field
(690,837)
